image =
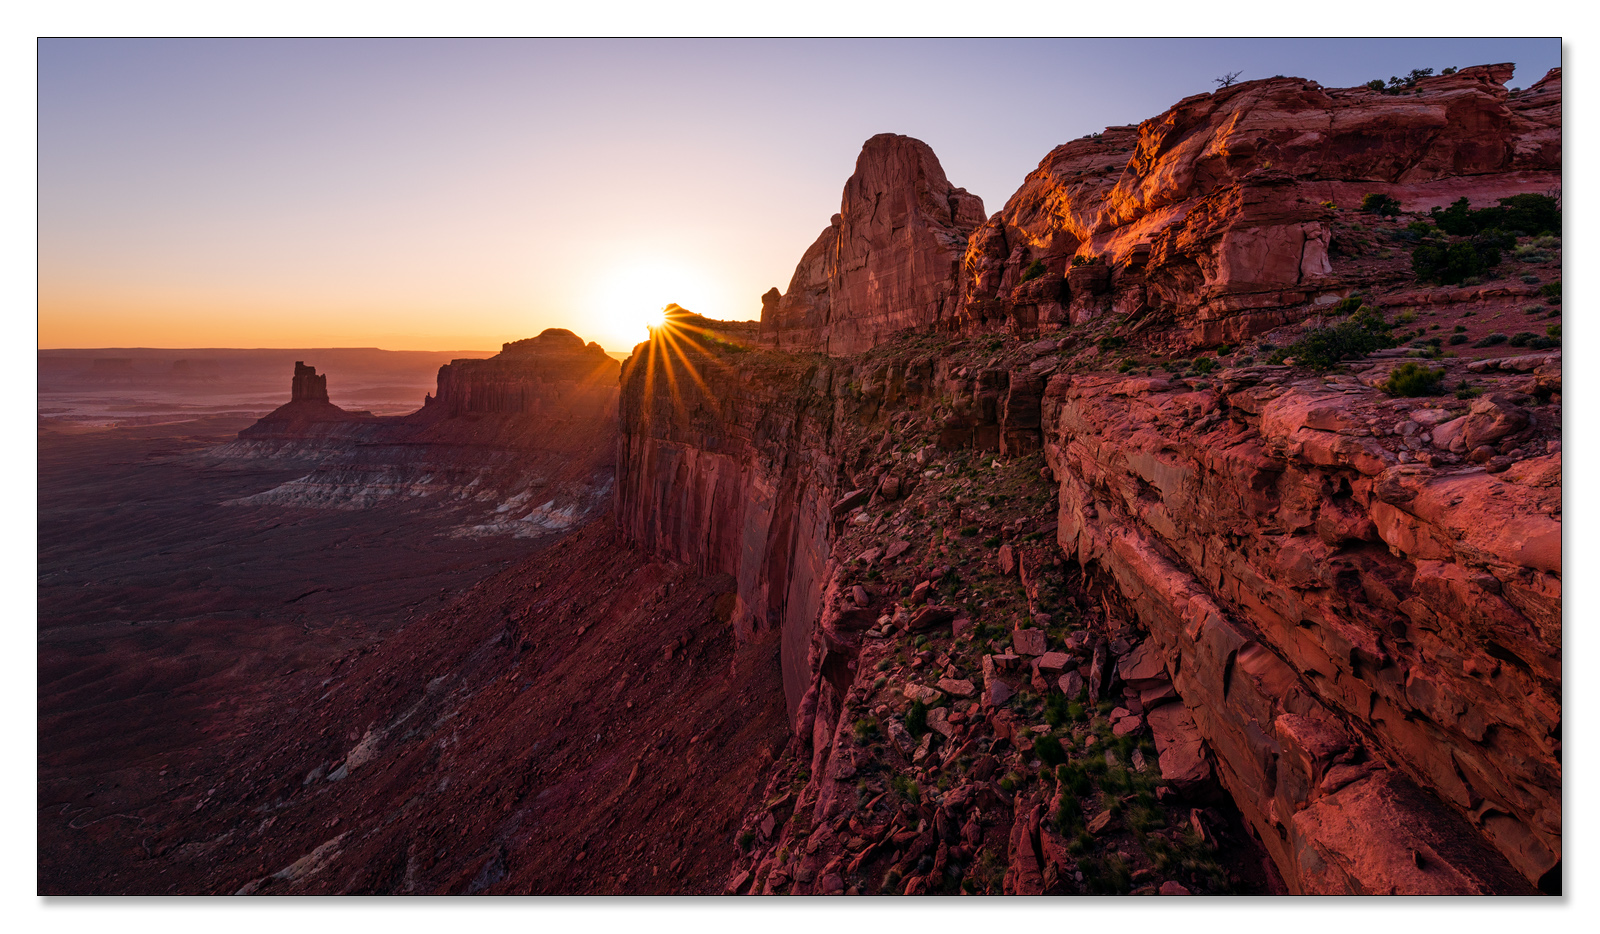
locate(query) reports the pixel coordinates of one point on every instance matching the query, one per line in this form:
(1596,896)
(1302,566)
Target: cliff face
(887,261)
(723,463)
(1341,626)
(1339,607)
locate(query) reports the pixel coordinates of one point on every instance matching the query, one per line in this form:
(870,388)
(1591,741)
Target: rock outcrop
(887,261)
(1216,217)
(308,387)
(1214,221)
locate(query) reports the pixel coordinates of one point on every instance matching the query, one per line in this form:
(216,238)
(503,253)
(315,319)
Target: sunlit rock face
(1217,216)
(555,374)
(889,259)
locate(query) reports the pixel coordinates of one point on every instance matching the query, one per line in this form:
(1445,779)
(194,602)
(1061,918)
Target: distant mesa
(554,374)
(551,341)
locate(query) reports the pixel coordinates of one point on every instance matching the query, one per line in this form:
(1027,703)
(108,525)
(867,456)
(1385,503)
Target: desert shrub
(1111,343)
(1035,270)
(1413,379)
(1070,814)
(1522,338)
(1380,204)
(1126,365)
(1049,750)
(864,728)
(968,531)
(917,719)
(1459,339)
(1465,390)
(1357,336)
(1406,317)
(1376,84)
(903,786)
(1437,261)
(1530,279)
(1203,365)
(1074,779)
(1087,259)
(1346,306)
(1554,331)
(1531,214)
(1055,709)
(1491,340)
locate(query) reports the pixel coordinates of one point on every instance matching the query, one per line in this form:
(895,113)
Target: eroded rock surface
(888,259)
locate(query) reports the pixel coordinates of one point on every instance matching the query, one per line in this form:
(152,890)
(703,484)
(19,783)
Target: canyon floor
(167,621)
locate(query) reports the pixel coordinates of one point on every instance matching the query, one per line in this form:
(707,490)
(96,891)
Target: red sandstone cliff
(887,261)
(1343,608)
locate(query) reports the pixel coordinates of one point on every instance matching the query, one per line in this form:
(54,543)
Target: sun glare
(630,300)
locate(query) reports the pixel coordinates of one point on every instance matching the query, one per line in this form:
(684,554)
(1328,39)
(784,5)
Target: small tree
(1227,79)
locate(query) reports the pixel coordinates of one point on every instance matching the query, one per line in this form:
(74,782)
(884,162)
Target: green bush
(1323,348)
(864,728)
(1088,259)
(1035,270)
(1376,84)
(1531,214)
(1380,204)
(1491,340)
(1551,290)
(1413,379)
(1112,343)
(1203,365)
(1453,263)
(1459,339)
(917,719)
(1049,750)
(1522,338)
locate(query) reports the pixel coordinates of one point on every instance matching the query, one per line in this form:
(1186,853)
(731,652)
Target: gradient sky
(457,194)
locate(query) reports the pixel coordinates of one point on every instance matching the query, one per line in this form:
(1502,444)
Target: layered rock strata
(1343,628)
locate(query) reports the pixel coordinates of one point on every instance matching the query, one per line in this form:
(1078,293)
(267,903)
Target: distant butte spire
(308,386)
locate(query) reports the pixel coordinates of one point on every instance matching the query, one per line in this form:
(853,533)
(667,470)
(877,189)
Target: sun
(629,300)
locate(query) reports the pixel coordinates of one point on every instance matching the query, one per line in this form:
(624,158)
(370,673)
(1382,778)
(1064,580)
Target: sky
(456,194)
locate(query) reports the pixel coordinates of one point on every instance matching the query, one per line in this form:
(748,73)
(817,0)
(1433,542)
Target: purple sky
(456,194)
